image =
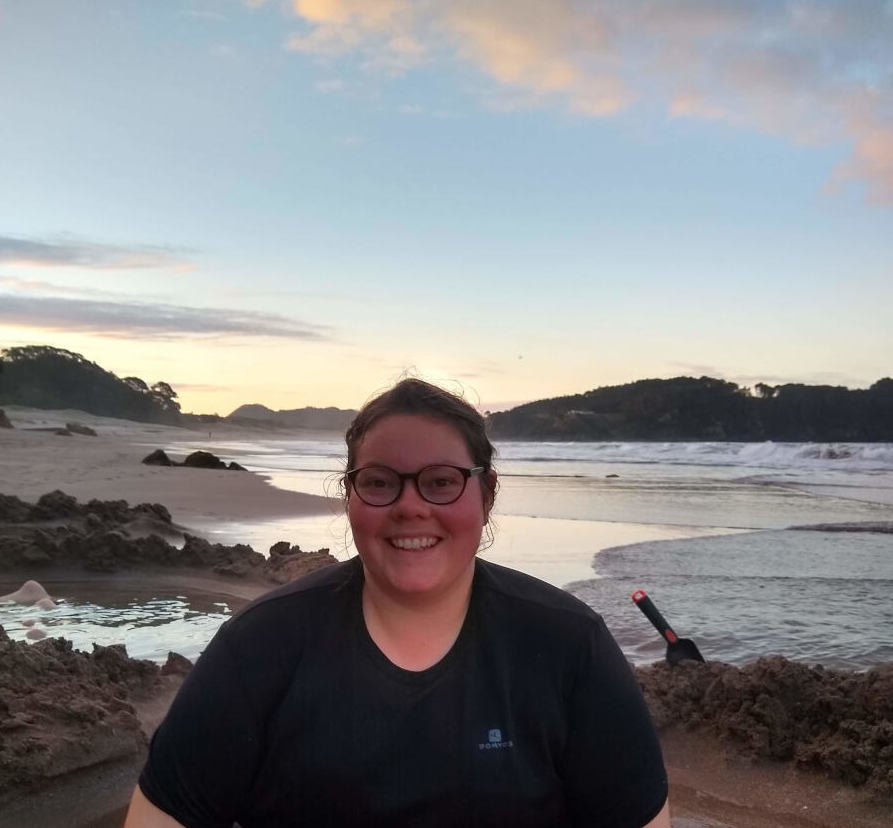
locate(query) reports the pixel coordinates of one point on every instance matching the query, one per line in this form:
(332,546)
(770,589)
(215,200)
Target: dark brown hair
(415,396)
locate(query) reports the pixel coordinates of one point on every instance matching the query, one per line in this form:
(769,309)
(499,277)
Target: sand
(109,467)
(713,785)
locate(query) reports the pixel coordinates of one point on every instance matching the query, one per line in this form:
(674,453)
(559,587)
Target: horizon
(295,204)
(484,408)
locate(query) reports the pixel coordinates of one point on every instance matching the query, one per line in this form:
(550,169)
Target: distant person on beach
(416,684)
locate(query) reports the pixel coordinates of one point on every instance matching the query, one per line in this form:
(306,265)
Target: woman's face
(412,548)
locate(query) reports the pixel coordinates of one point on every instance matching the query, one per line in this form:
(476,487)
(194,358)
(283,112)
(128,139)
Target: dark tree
(44,377)
(685,408)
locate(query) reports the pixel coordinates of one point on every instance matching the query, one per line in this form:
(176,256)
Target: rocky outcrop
(837,722)
(4,420)
(158,458)
(77,428)
(61,709)
(176,665)
(106,536)
(203,460)
(287,563)
(196,460)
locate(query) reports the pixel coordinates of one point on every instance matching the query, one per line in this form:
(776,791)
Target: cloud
(90,255)
(129,319)
(197,14)
(197,386)
(697,369)
(332,85)
(816,72)
(38,286)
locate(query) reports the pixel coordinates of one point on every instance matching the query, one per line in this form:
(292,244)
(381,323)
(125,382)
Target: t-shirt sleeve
(203,756)
(614,771)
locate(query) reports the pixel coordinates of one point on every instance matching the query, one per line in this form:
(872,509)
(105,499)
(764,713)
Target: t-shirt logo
(495,740)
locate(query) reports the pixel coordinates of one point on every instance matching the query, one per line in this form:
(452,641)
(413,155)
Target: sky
(296,203)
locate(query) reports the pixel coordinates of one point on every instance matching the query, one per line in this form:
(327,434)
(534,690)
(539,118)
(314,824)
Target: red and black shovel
(678,649)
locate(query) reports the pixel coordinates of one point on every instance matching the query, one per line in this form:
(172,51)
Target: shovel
(678,649)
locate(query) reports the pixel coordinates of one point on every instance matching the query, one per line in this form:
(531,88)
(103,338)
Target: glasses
(382,485)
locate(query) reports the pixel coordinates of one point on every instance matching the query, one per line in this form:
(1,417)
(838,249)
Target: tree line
(40,376)
(705,408)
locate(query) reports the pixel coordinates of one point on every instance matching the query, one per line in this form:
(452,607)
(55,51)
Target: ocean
(705,528)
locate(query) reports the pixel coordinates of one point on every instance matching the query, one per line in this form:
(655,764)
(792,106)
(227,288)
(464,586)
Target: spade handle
(644,603)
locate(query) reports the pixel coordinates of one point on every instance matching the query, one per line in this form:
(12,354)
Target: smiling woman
(415,684)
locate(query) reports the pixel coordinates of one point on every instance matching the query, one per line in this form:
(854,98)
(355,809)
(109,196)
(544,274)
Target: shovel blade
(683,649)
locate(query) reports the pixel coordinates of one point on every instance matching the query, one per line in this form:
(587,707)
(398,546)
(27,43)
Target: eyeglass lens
(380,486)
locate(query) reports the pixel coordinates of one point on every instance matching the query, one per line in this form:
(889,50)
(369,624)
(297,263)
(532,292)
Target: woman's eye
(374,481)
(442,479)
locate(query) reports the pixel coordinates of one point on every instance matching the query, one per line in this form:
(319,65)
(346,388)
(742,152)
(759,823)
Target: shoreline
(110,467)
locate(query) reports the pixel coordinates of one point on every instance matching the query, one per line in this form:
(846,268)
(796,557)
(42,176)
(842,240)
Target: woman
(415,685)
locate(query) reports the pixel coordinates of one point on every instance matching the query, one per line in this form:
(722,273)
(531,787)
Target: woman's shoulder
(316,585)
(525,594)
(292,606)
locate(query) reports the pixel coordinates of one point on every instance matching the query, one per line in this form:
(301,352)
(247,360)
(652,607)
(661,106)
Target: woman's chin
(418,579)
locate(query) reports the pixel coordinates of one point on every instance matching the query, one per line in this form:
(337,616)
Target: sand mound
(835,722)
(61,709)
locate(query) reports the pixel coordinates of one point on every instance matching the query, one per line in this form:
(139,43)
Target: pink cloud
(799,70)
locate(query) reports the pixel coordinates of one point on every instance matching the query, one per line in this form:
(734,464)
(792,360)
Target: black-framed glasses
(381,485)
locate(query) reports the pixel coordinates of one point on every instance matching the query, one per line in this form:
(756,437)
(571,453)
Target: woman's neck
(415,632)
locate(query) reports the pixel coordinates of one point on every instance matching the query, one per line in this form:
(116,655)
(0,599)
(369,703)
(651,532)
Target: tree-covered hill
(323,419)
(686,408)
(43,377)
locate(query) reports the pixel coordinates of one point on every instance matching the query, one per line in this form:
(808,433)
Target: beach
(577,531)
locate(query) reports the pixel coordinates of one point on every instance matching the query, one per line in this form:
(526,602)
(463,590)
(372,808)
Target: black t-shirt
(293,717)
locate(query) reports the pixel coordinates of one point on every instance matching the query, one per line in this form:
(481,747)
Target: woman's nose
(410,501)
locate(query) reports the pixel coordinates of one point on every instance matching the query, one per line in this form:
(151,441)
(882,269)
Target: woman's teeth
(413,543)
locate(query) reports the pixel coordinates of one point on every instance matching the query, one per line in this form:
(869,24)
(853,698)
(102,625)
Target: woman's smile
(414,543)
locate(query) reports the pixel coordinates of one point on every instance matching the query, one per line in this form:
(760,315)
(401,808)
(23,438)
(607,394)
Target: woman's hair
(415,396)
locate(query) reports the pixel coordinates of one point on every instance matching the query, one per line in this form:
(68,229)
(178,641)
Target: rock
(106,536)
(55,505)
(35,634)
(35,556)
(287,563)
(176,665)
(238,560)
(203,460)
(77,428)
(62,432)
(282,548)
(4,420)
(196,460)
(13,510)
(238,569)
(158,458)
(62,710)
